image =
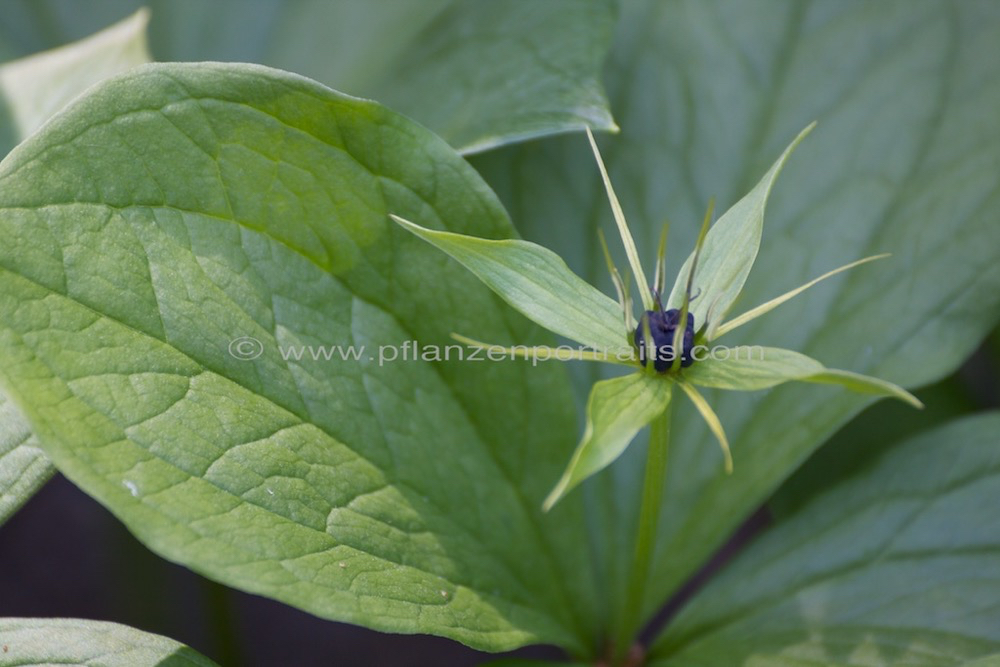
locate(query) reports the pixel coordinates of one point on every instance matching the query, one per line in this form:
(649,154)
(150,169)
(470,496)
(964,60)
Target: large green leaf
(171,240)
(479,72)
(23,465)
(43,641)
(903,160)
(899,565)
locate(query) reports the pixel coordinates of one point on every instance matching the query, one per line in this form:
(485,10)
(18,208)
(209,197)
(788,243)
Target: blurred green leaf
(23,465)
(171,240)
(989,661)
(903,161)
(898,565)
(61,641)
(39,85)
(480,73)
(865,437)
(487,72)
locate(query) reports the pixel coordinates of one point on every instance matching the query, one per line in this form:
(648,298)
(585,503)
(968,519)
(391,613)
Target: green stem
(645,544)
(218,605)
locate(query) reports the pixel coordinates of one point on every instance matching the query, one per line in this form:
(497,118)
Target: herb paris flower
(538,283)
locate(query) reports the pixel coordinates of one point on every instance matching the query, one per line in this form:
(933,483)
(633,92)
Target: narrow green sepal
(616,209)
(538,353)
(536,282)
(865,384)
(616,411)
(713,421)
(768,306)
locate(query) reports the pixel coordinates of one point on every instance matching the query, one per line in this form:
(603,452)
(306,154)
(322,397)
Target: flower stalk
(654,481)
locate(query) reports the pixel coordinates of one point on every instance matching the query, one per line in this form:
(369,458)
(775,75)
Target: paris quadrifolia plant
(672,345)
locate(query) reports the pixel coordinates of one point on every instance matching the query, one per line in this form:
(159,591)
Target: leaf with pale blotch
(898,565)
(82,643)
(750,367)
(616,411)
(729,252)
(537,282)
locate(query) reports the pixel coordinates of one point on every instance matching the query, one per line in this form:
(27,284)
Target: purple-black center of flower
(662,326)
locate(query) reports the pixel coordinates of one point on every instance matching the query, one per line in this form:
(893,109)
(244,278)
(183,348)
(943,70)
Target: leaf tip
(554,496)
(912,400)
(140,18)
(411,227)
(796,141)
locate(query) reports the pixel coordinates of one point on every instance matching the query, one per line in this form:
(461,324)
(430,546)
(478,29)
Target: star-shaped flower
(538,283)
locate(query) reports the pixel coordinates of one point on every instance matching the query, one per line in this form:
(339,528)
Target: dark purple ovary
(662,325)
